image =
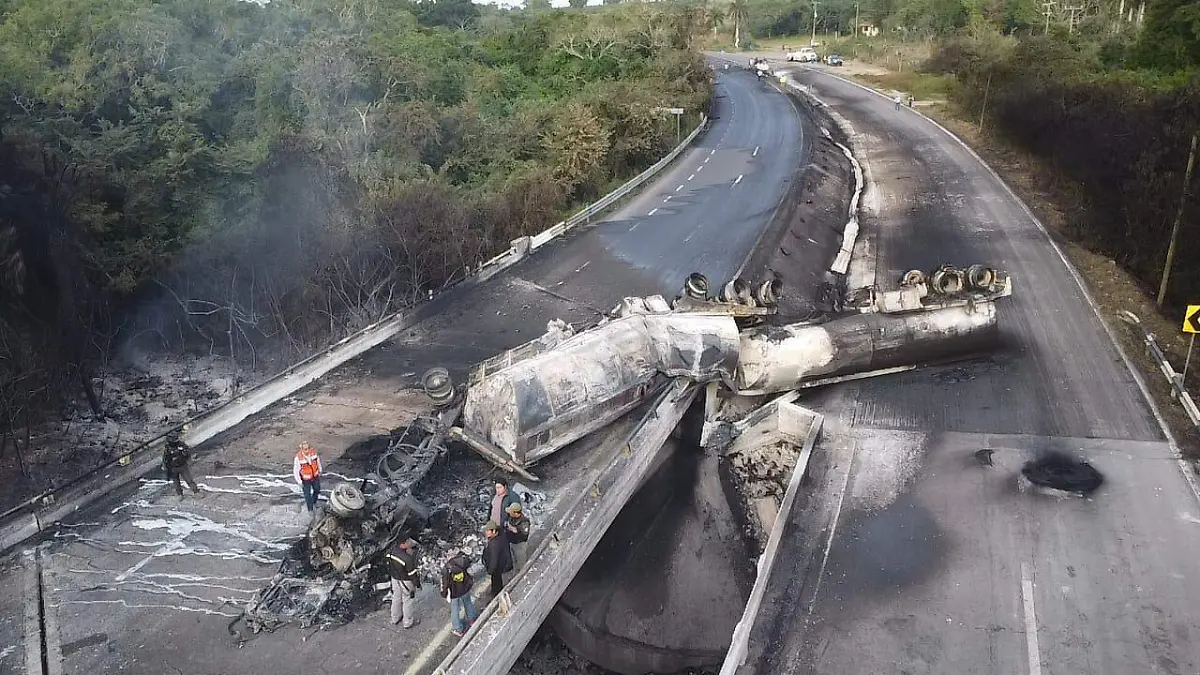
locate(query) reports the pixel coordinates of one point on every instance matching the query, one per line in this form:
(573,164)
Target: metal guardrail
(38,513)
(1174,379)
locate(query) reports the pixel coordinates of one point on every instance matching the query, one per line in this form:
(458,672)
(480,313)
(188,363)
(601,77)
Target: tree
(738,13)
(577,3)
(1170,38)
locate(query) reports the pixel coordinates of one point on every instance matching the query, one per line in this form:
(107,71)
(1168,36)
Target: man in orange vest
(306,469)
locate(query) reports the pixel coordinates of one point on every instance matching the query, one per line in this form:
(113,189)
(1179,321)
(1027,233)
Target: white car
(804,55)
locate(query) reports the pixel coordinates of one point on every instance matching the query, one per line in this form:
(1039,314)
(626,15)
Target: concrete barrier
(506,625)
(788,423)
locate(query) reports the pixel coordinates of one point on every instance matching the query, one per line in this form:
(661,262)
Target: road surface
(908,555)
(150,584)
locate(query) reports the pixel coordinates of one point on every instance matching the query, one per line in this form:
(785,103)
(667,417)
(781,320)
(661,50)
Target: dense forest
(1104,91)
(258,179)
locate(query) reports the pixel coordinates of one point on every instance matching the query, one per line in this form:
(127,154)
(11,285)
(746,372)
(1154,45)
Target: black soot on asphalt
(1060,471)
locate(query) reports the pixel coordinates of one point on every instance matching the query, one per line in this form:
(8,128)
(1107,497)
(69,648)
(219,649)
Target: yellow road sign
(1191,320)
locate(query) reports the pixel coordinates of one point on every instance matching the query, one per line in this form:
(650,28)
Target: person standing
(501,501)
(516,530)
(402,567)
(456,589)
(497,556)
(176,458)
(306,469)
(899,98)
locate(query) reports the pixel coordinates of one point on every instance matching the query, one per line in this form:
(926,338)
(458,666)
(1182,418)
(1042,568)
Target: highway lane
(910,556)
(149,584)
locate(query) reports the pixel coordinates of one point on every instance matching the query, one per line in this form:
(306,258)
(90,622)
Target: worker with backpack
(456,589)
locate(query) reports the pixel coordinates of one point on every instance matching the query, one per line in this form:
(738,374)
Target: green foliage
(1170,38)
(231,175)
(1120,135)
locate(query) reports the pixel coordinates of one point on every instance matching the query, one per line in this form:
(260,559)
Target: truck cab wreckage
(527,403)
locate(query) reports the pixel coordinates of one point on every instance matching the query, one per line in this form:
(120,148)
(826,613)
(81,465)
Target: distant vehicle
(833,60)
(804,55)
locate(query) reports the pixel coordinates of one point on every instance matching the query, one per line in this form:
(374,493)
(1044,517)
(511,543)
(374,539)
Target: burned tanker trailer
(535,399)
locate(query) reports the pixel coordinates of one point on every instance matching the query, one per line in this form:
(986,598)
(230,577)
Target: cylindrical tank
(779,358)
(545,402)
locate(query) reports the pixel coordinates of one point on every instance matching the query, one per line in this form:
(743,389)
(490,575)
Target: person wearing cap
(497,556)
(503,499)
(456,589)
(406,579)
(306,469)
(516,530)
(176,457)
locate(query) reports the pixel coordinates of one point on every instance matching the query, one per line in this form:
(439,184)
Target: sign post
(1191,325)
(678,113)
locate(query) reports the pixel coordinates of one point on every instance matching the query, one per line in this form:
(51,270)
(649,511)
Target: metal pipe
(775,359)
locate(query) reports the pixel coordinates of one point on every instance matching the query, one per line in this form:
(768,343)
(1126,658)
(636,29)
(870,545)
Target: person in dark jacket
(516,530)
(406,579)
(497,556)
(176,457)
(456,588)
(503,499)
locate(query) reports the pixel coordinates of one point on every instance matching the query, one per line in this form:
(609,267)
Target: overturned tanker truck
(528,402)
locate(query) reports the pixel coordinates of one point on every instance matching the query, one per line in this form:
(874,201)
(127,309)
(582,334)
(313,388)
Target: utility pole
(1073,16)
(1047,10)
(1187,183)
(856,23)
(813,41)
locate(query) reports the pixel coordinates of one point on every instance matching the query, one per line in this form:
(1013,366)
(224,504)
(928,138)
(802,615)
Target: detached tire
(1062,472)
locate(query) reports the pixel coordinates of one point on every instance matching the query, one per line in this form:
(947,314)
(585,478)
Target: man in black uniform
(497,556)
(406,579)
(176,456)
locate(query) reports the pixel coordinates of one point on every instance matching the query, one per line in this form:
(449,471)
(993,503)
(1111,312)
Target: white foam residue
(122,602)
(886,462)
(183,524)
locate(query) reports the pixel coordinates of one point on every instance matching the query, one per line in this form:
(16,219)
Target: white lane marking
(700,168)
(580,269)
(418,664)
(706,160)
(755,153)
(739,179)
(679,188)
(634,227)
(714,150)
(691,176)
(652,212)
(1031,640)
(668,198)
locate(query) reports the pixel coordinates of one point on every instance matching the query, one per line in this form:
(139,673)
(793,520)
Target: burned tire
(1063,472)
(980,277)
(947,281)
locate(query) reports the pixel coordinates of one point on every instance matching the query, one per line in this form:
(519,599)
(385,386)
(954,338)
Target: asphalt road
(906,554)
(149,584)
